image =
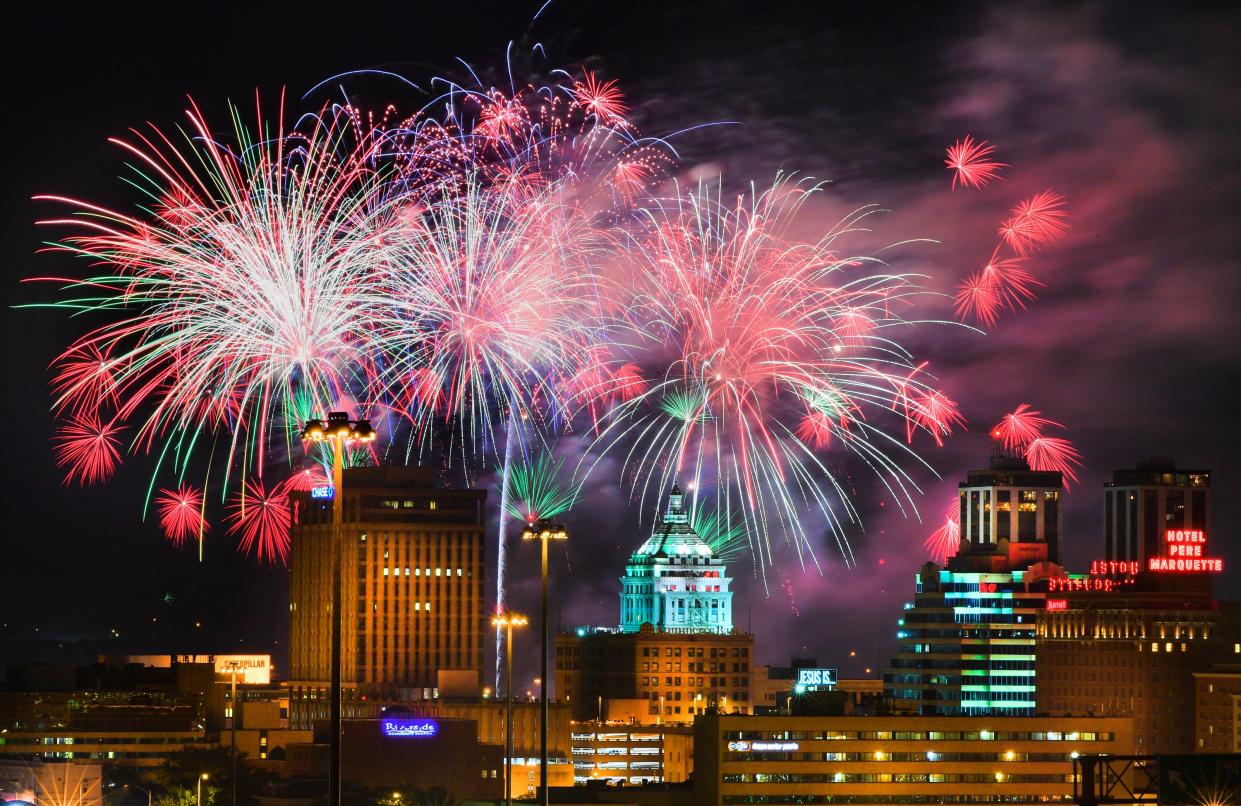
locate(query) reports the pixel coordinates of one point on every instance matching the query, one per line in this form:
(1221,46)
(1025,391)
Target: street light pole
(543,531)
(202,777)
(340,431)
(508,620)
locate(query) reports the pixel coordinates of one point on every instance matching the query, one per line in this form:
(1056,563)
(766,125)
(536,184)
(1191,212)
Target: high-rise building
(1010,516)
(965,645)
(412,557)
(1142,504)
(674,581)
(966,642)
(676,652)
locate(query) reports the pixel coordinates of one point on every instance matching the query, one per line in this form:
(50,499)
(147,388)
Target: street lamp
(141,789)
(201,778)
(508,620)
(542,531)
(340,432)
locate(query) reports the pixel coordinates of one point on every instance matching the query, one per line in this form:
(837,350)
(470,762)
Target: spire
(676,506)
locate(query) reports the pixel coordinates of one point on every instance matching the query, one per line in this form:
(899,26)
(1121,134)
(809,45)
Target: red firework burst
(1054,453)
(181,514)
(603,99)
(1036,222)
(1021,427)
(305,480)
(936,412)
(261,519)
(972,163)
(1001,284)
(945,541)
(88,447)
(85,378)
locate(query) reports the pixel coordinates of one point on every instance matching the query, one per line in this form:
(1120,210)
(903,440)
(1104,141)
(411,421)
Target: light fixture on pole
(508,620)
(202,777)
(543,531)
(340,432)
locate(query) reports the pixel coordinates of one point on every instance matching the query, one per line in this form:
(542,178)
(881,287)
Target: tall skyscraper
(1142,504)
(966,642)
(413,585)
(674,582)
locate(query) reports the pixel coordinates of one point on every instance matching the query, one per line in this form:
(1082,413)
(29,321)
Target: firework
(233,300)
(181,514)
(722,531)
(485,312)
(1002,284)
(536,490)
(89,448)
(261,521)
(1035,222)
(971,162)
(769,350)
(1021,431)
(946,540)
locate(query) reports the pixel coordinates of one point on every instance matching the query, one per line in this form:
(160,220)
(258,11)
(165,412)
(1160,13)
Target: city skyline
(1161,353)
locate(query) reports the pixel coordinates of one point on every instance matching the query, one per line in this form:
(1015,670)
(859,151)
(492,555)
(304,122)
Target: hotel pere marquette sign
(409,728)
(1184,551)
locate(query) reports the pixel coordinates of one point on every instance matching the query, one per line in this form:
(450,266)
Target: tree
(188,796)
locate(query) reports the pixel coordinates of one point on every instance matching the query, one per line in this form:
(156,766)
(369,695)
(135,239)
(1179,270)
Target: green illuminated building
(674,582)
(966,644)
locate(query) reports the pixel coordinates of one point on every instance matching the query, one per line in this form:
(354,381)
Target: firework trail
(971,163)
(769,350)
(1021,431)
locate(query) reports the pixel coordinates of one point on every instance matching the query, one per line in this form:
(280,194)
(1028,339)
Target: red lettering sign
(1185,565)
(1185,536)
(1057,604)
(1113,567)
(987,587)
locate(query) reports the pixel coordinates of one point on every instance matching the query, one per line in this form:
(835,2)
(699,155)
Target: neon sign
(1185,547)
(1057,604)
(409,728)
(1191,565)
(1114,567)
(326,491)
(1095,583)
(816,677)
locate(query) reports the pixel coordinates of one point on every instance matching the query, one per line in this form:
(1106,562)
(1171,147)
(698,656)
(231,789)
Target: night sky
(1130,110)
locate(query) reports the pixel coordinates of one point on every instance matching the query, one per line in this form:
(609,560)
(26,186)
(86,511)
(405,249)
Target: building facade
(628,754)
(895,759)
(1217,710)
(675,676)
(1140,505)
(489,716)
(1132,653)
(413,568)
(674,582)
